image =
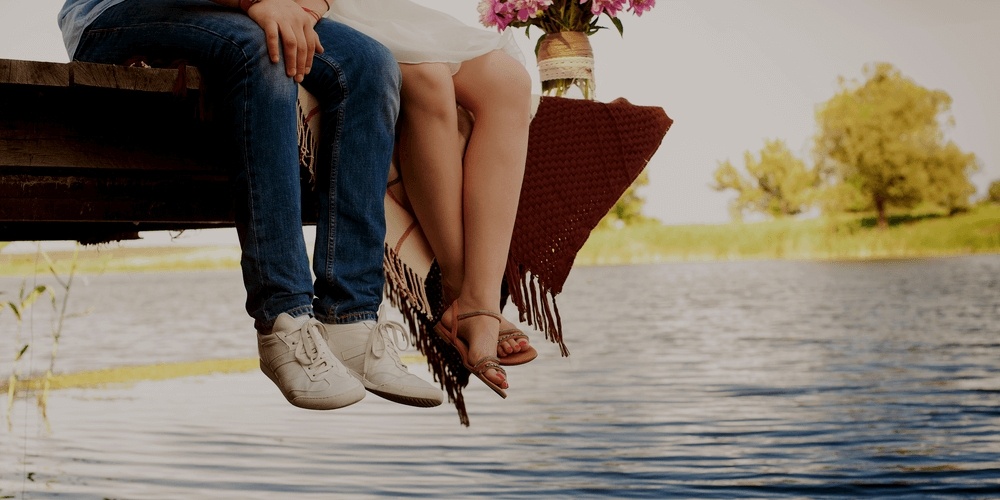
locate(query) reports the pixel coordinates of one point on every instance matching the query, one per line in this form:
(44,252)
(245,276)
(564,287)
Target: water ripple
(701,380)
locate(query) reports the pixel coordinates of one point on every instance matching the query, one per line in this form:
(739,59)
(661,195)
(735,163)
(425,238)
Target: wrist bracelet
(246,4)
(328,6)
(313,13)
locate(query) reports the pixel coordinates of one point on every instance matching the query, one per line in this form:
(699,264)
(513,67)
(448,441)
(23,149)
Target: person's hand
(289,32)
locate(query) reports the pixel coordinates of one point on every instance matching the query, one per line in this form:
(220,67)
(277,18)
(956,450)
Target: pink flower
(495,13)
(573,15)
(639,6)
(530,9)
(609,7)
(487,13)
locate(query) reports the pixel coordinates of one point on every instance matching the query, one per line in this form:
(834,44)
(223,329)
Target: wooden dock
(96,153)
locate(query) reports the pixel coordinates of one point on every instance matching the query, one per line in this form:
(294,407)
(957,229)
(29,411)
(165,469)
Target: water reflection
(744,379)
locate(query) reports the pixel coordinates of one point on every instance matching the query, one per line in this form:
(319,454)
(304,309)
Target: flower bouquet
(565,59)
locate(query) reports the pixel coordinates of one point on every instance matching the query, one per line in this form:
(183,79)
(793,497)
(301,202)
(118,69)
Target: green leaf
(19,354)
(33,296)
(538,44)
(618,24)
(16,310)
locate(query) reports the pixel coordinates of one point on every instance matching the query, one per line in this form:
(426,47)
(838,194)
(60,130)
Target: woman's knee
(428,89)
(492,78)
(512,75)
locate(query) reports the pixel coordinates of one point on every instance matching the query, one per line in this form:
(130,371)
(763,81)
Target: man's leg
(357,126)
(356,81)
(255,104)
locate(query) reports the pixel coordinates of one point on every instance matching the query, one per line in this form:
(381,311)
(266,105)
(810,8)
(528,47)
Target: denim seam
(333,172)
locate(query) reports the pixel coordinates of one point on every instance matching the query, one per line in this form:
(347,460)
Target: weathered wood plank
(90,127)
(102,161)
(94,197)
(34,73)
(87,232)
(134,78)
(104,153)
(51,74)
(101,205)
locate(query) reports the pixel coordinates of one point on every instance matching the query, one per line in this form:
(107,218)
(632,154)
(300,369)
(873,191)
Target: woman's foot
(513,345)
(474,333)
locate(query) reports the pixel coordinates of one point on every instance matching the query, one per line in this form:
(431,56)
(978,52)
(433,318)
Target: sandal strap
(480,312)
(486,363)
(511,333)
(455,318)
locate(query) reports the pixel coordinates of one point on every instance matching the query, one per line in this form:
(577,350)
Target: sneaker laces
(390,333)
(307,351)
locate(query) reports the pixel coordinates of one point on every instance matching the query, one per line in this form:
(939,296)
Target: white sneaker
(369,351)
(296,358)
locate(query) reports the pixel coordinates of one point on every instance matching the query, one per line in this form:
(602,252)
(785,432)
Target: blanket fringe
(406,286)
(307,108)
(536,304)
(408,292)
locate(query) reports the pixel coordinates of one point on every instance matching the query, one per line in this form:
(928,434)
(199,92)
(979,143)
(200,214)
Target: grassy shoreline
(819,239)
(841,238)
(844,238)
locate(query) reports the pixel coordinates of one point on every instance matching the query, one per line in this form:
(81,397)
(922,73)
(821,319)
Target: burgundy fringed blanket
(582,156)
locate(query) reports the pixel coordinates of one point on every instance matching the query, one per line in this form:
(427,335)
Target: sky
(733,73)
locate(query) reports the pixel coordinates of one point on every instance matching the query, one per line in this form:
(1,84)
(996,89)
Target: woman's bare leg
(431,163)
(496,89)
(433,175)
(467,207)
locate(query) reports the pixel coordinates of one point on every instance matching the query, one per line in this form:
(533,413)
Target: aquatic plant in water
(25,300)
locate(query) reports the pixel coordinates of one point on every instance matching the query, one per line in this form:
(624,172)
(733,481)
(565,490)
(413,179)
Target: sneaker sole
(407,400)
(328,403)
(398,398)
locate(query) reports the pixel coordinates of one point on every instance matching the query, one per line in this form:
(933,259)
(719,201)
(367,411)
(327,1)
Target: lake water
(688,380)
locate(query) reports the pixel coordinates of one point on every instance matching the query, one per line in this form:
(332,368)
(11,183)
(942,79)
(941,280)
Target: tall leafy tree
(778,184)
(993,193)
(882,145)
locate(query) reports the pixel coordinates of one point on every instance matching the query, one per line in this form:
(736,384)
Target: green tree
(628,208)
(993,193)
(881,144)
(778,184)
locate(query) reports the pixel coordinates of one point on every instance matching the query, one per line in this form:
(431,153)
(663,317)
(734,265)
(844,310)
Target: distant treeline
(836,237)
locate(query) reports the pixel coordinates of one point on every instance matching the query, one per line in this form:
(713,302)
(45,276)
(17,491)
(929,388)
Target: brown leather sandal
(479,368)
(521,357)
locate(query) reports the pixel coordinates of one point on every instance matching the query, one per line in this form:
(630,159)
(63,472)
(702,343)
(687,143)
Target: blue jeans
(357,83)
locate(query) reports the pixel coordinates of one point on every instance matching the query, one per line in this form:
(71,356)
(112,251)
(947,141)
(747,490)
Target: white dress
(418,34)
